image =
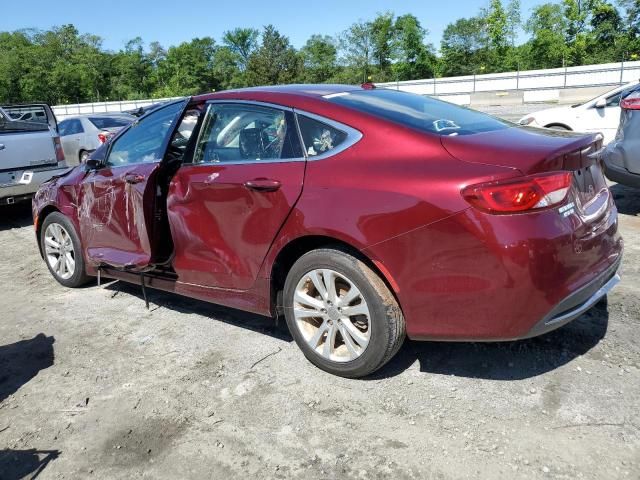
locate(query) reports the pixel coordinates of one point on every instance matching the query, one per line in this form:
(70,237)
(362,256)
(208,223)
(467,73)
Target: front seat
(251,146)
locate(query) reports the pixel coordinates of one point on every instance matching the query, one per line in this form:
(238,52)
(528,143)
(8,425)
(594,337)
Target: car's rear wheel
(62,252)
(341,314)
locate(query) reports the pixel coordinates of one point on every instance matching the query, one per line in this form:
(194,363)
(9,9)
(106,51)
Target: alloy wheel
(59,251)
(332,315)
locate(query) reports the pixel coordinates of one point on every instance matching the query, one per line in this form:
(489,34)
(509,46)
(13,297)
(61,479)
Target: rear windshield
(422,113)
(109,122)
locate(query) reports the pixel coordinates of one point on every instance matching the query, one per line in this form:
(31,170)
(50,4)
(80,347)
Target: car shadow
(231,316)
(515,360)
(21,361)
(627,199)
(19,464)
(17,215)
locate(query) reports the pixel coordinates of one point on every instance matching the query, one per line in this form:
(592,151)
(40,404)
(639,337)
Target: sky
(175,21)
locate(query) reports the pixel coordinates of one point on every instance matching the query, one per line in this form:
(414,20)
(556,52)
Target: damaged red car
(361,214)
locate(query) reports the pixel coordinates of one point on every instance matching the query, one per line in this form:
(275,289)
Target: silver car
(83,134)
(622,156)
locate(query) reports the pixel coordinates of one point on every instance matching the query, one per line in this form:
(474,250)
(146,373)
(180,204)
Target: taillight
(102,138)
(632,102)
(58,148)
(523,194)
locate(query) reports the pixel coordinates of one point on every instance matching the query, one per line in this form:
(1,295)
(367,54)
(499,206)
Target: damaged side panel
(115,207)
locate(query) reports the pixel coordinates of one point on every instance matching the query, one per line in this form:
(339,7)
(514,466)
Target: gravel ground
(93,385)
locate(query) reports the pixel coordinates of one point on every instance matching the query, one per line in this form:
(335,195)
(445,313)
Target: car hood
(527,149)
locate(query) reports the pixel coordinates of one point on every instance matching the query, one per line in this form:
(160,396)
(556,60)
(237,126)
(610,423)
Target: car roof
(300,90)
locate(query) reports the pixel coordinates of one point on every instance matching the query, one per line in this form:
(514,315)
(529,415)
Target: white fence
(609,74)
(63,111)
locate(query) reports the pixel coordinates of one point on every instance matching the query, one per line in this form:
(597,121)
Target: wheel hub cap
(332,315)
(59,251)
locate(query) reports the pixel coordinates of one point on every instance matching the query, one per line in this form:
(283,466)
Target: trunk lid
(533,150)
(530,150)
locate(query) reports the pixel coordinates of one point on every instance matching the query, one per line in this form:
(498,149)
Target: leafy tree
(464,47)
(547,25)
(188,68)
(382,35)
(414,59)
(604,38)
(357,44)
(242,42)
(320,57)
(275,61)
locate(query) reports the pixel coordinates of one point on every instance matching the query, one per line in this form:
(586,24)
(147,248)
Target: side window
(75,127)
(63,128)
(319,138)
(614,101)
(144,140)
(70,127)
(244,132)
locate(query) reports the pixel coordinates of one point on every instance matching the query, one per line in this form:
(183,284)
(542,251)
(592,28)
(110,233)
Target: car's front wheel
(341,314)
(62,252)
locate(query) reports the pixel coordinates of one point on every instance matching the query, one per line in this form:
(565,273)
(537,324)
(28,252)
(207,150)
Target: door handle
(2,146)
(133,178)
(263,185)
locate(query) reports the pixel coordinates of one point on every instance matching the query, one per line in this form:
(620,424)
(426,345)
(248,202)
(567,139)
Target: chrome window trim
(353,135)
(209,103)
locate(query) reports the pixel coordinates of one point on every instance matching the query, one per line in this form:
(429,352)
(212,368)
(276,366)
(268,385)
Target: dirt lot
(93,385)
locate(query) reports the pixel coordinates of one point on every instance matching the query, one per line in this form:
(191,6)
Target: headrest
(251,143)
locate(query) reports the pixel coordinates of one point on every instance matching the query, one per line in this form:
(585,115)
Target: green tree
(275,61)
(131,78)
(242,42)
(357,45)
(547,47)
(605,40)
(320,57)
(464,47)
(382,35)
(414,59)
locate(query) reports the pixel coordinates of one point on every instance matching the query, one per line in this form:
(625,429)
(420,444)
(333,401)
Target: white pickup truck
(30,151)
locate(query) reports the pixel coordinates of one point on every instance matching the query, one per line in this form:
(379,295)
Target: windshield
(422,113)
(616,92)
(109,122)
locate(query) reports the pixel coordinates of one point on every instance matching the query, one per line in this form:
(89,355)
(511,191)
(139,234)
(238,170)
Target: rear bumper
(621,175)
(477,277)
(577,303)
(13,192)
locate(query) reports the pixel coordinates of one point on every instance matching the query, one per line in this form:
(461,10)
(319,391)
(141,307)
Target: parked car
(600,114)
(359,213)
(30,153)
(28,112)
(140,111)
(622,156)
(82,134)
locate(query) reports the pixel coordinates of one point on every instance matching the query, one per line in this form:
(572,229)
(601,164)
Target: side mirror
(602,103)
(92,164)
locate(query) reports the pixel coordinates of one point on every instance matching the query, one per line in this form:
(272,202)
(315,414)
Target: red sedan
(362,214)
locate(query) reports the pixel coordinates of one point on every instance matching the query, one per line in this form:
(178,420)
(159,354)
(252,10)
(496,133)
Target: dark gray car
(622,156)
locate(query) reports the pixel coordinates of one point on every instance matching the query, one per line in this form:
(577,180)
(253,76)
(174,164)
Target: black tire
(79,276)
(386,320)
(560,128)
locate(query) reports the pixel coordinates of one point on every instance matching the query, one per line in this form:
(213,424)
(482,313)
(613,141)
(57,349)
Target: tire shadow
(505,361)
(178,303)
(23,360)
(627,199)
(19,464)
(15,216)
